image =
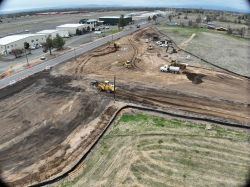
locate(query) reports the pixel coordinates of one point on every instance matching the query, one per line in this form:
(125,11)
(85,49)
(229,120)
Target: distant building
(17,42)
(53,33)
(113,20)
(71,28)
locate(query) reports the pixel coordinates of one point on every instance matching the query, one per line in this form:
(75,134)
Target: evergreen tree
(122,22)
(88,28)
(58,42)
(154,18)
(149,18)
(48,45)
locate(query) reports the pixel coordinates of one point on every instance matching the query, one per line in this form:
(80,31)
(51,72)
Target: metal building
(113,20)
(71,28)
(17,42)
(53,33)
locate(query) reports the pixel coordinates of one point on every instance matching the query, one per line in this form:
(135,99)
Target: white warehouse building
(71,28)
(53,33)
(17,42)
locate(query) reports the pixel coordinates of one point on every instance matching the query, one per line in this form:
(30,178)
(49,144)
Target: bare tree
(200,10)
(170,18)
(190,23)
(182,25)
(229,30)
(16,52)
(242,32)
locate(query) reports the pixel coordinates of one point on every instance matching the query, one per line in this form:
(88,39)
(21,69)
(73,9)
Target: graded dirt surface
(49,120)
(157,151)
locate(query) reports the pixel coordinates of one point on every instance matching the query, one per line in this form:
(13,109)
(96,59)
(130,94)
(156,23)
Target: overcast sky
(9,5)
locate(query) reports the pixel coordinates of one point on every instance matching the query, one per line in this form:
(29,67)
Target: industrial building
(113,20)
(17,42)
(71,28)
(53,33)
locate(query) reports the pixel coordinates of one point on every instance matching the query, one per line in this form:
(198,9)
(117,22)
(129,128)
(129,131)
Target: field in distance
(144,150)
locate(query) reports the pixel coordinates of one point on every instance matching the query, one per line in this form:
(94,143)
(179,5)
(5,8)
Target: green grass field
(65,39)
(144,150)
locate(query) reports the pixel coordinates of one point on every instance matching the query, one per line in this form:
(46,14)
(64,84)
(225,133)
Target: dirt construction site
(51,119)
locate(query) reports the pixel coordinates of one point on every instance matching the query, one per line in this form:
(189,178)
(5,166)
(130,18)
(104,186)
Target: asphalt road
(12,79)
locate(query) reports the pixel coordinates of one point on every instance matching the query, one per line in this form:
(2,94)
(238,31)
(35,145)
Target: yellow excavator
(116,45)
(177,64)
(106,86)
(127,64)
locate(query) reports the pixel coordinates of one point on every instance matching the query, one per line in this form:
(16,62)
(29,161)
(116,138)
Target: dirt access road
(49,120)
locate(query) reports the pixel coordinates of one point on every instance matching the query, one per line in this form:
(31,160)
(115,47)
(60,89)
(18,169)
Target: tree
(200,10)
(122,22)
(235,21)
(154,18)
(83,30)
(58,42)
(229,30)
(182,25)
(88,28)
(242,32)
(149,18)
(186,17)
(178,16)
(170,18)
(78,32)
(198,19)
(208,19)
(16,52)
(190,23)
(93,29)
(48,45)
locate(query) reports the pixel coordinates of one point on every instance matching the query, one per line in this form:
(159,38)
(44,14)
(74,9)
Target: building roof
(70,25)
(90,20)
(13,38)
(46,31)
(116,17)
(211,23)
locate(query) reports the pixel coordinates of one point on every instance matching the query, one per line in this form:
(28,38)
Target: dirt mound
(194,77)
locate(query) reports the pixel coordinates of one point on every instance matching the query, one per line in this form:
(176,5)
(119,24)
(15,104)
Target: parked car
(70,35)
(66,36)
(163,45)
(221,29)
(106,27)
(158,43)
(37,46)
(32,47)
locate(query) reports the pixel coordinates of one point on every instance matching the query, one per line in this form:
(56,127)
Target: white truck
(170,69)
(146,40)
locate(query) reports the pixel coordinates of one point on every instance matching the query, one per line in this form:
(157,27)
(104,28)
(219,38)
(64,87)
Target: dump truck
(181,65)
(127,64)
(106,86)
(170,69)
(116,45)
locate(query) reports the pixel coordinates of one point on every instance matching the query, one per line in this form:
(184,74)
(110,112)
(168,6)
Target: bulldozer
(106,86)
(177,64)
(127,64)
(116,45)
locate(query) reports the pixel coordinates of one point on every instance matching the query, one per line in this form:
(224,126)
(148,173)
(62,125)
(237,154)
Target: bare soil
(48,121)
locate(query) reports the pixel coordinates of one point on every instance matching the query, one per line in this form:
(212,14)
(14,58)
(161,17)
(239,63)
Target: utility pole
(26,55)
(114,89)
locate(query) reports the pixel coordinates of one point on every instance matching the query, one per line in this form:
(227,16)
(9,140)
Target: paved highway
(12,79)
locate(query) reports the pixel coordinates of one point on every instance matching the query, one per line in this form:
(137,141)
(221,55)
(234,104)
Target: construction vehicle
(106,86)
(116,45)
(170,69)
(181,65)
(174,50)
(127,64)
(150,47)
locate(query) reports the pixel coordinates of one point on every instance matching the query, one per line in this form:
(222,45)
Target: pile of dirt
(194,77)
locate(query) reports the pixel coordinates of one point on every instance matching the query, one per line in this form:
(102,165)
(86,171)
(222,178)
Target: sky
(9,5)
